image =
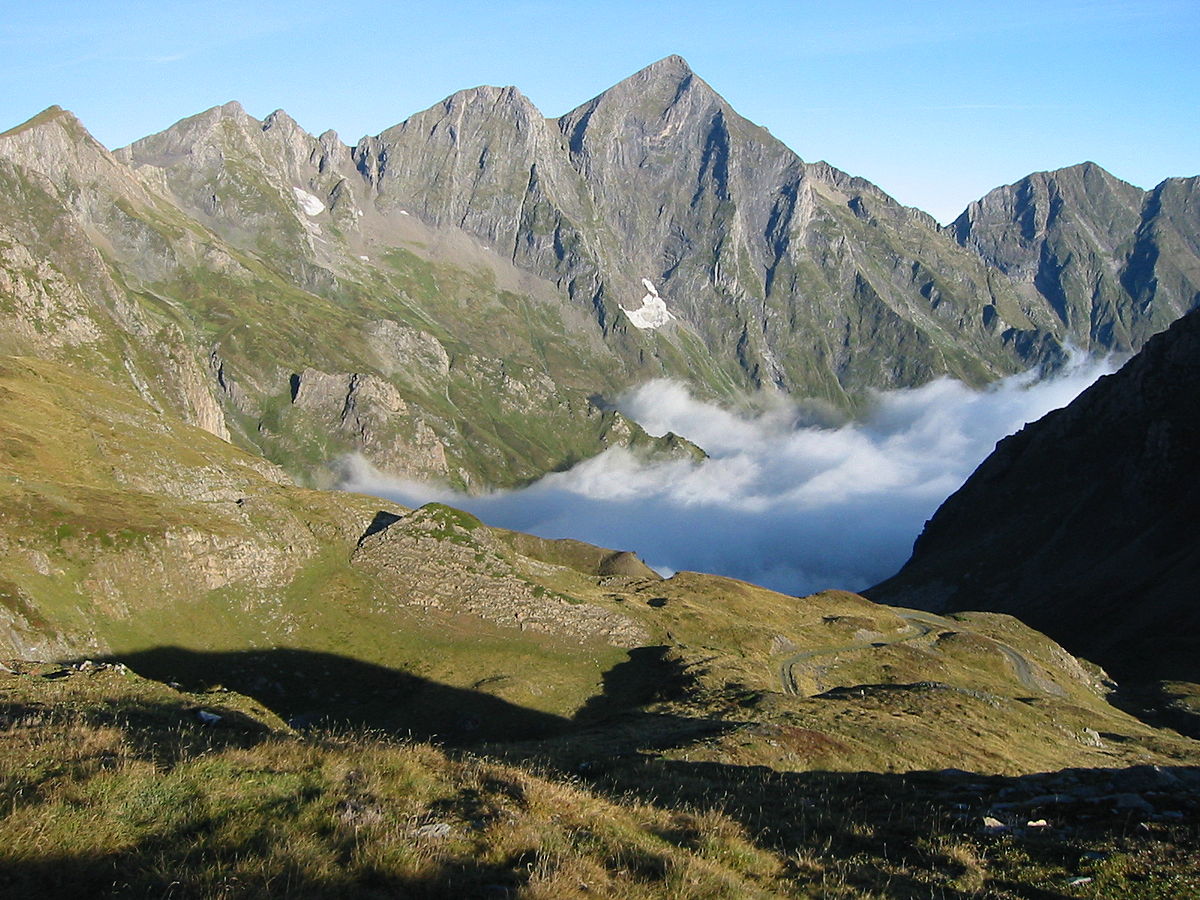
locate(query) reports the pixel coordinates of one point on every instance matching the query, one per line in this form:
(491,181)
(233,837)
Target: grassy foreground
(113,785)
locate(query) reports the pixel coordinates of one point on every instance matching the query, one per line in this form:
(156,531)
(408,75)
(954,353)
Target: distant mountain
(1086,523)
(1113,264)
(791,276)
(464,295)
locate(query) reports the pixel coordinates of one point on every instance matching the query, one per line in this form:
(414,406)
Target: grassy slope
(129,534)
(111,786)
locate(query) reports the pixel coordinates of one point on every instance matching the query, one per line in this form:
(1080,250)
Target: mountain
(1084,524)
(495,279)
(108,271)
(1112,263)
(791,276)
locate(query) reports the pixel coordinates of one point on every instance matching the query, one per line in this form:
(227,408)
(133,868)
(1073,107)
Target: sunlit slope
(130,535)
(429,363)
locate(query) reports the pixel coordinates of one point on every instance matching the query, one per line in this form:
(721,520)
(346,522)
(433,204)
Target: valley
(326,693)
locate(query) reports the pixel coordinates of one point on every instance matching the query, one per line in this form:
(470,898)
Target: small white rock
(434,830)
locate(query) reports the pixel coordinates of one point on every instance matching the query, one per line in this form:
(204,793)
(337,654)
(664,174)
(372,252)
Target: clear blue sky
(936,102)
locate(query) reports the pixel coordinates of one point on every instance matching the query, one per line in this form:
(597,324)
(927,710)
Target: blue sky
(936,102)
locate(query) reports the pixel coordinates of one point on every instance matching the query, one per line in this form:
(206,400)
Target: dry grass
(95,801)
(109,786)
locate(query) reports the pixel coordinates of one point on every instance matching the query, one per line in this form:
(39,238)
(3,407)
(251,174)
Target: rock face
(1084,524)
(795,276)
(1112,263)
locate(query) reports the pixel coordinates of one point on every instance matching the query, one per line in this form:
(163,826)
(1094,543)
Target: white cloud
(797,508)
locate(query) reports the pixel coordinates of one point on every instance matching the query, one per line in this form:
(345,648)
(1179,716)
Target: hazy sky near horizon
(936,102)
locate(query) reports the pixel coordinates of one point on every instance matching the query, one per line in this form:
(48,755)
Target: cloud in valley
(793,507)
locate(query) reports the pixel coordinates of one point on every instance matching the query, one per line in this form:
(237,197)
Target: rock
(1131,802)
(993,825)
(1148,778)
(434,831)
(208,718)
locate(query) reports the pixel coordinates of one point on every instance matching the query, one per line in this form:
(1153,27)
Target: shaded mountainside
(1084,524)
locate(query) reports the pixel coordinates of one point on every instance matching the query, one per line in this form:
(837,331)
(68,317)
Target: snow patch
(310,204)
(653,312)
(404,212)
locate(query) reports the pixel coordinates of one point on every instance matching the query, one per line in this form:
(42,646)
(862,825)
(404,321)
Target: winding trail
(924,623)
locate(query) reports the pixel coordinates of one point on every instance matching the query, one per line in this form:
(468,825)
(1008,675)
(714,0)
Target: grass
(99,796)
(111,786)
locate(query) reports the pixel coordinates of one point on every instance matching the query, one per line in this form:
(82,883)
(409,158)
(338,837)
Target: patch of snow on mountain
(310,204)
(653,312)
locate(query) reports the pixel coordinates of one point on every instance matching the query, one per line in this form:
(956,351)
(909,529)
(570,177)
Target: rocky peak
(653,102)
(53,125)
(281,120)
(195,137)
(56,145)
(1087,244)
(465,161)
(1033,205)
(671,74)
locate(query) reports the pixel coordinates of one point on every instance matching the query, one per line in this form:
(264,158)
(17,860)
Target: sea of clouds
(791,506)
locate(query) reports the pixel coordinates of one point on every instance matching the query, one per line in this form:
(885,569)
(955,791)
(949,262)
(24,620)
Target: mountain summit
(1088,248)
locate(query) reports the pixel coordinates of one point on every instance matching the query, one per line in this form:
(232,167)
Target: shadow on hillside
(308,688)
(905,835)
(168,864)
(646,676)
(1059,825)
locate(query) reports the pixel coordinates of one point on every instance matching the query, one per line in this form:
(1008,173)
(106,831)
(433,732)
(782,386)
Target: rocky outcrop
(472,573)
(371,412)
(1084,523)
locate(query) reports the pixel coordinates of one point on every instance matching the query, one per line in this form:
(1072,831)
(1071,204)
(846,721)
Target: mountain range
(495,279)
